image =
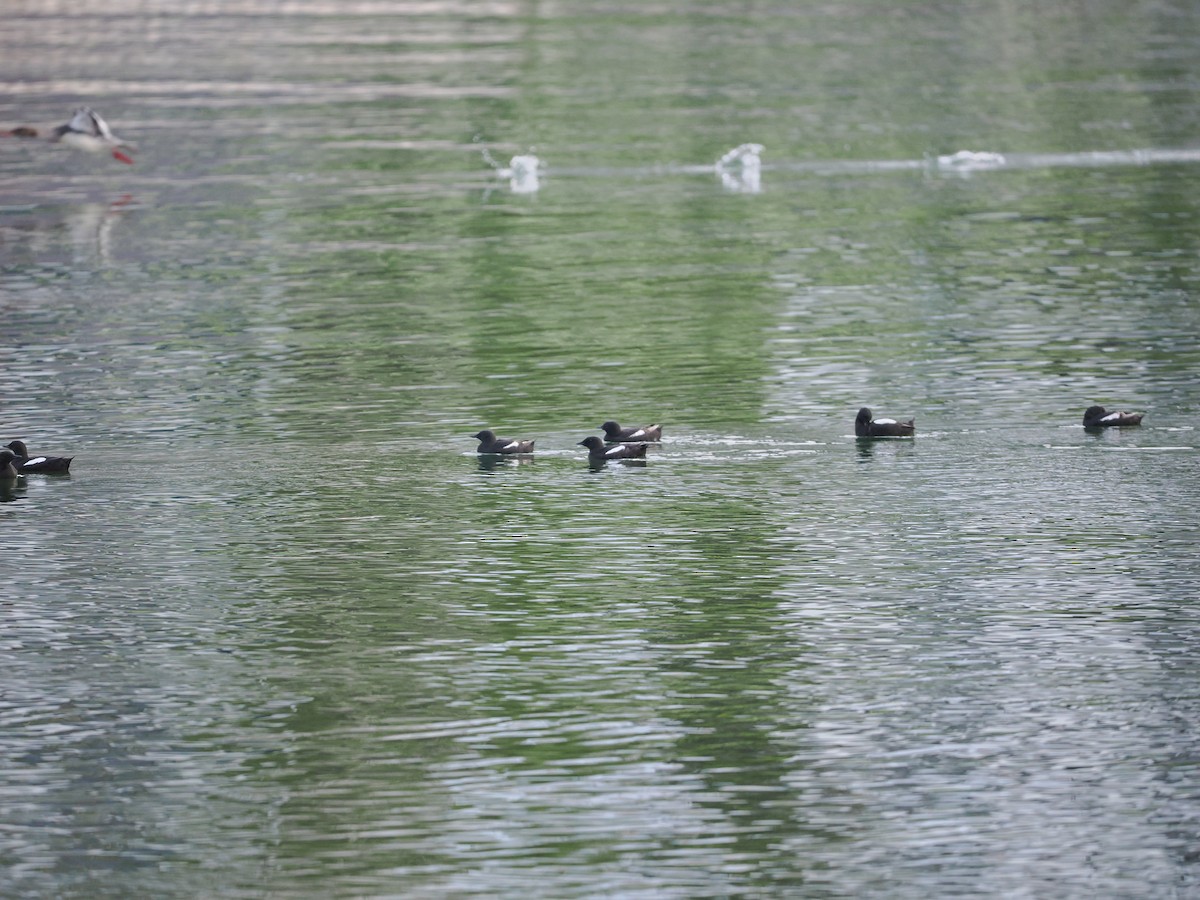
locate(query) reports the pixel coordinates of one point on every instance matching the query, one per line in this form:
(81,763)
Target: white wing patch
(1111,417)
(82,122)
(883,421)
(34,461)
(102,129)
(511,445)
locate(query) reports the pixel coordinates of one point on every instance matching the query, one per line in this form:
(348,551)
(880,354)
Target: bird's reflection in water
(599,465)
(12,490)
(91,225)
(1112,435)
(491,463)
(82,232)
(866,448)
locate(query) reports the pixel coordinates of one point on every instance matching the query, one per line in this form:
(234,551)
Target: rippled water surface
(282,633)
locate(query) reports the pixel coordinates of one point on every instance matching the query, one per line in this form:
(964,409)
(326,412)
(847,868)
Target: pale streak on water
(282,634)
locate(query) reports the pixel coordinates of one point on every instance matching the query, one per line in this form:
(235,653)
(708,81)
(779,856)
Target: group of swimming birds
(15,461)
(618,443)
(85,131)
(622,443)
(632,443)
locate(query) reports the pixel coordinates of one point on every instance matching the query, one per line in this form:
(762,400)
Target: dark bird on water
(1098,417)
(489,443)
(25,463)
(614,432)
(8,470)
(867,427)
(598,453)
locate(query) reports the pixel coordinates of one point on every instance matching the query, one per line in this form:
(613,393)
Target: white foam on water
(523,174)
(740,169)
(521,171)
(971,161)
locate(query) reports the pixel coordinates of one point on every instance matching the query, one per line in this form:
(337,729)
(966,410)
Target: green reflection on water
(340,656)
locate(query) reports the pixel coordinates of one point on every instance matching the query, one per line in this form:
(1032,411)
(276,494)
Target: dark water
(281,633)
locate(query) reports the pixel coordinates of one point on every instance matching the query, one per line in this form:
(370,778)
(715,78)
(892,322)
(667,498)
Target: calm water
(281,633)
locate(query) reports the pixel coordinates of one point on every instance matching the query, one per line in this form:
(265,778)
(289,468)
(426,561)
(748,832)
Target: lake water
(281,633)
